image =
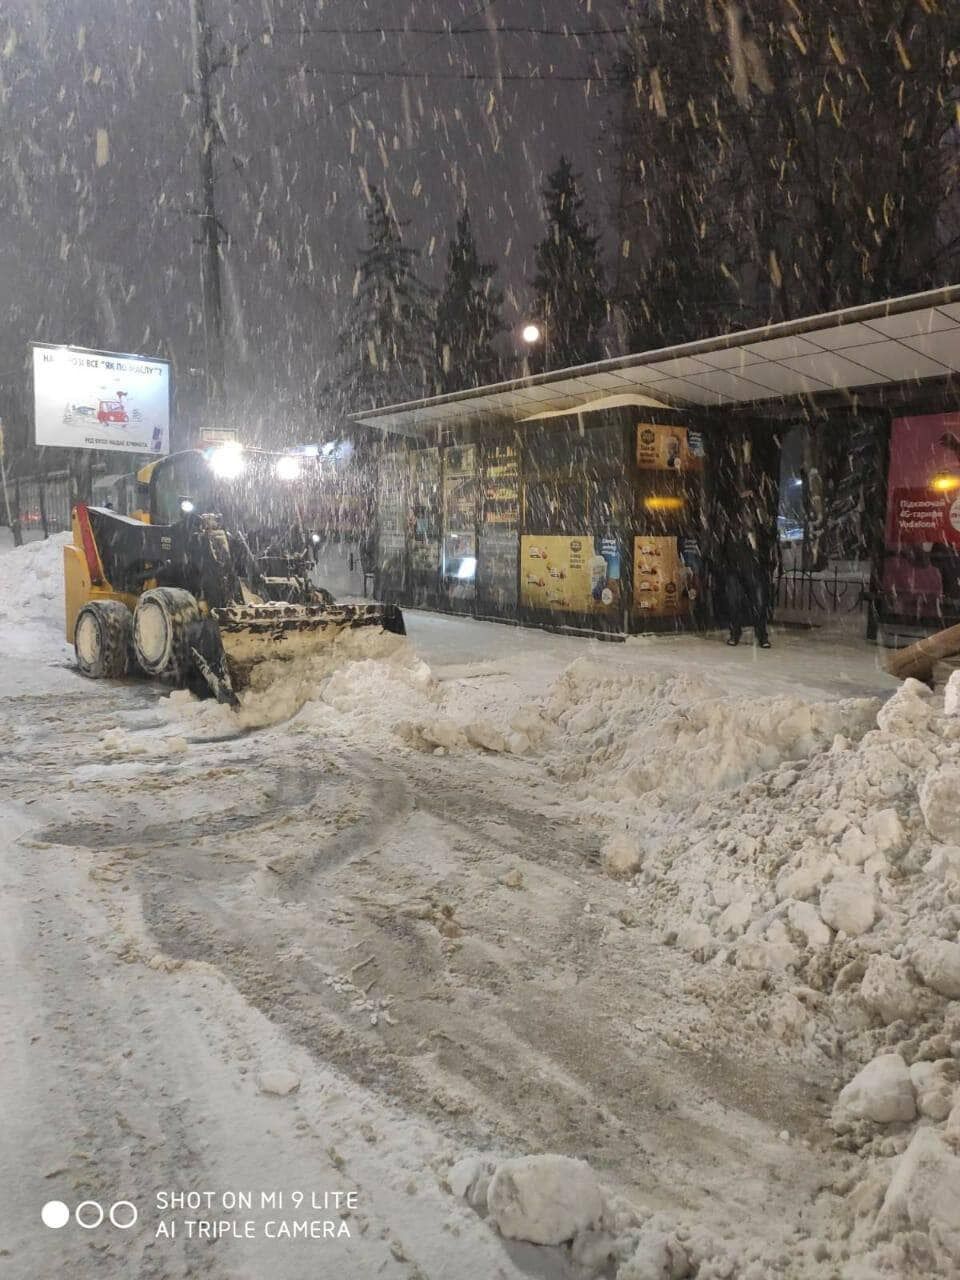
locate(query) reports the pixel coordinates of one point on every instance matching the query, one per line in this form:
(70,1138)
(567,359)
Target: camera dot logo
(89,1214)
(55,1214)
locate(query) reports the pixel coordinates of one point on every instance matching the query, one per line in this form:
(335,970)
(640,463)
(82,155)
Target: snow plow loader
(212,575)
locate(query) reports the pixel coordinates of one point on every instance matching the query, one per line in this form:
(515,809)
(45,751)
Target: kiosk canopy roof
(900,341)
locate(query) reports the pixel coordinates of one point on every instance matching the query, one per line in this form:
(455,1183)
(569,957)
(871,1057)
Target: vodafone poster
(923,497)
(921,567)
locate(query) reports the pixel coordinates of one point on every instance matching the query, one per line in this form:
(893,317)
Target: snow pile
(31,581)
(555,1200)
(648,741)
(834,880)
(819,861)
(544,1199)
(653,742)
(367,673)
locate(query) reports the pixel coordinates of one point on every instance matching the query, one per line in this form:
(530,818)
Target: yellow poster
(661,581)
(575,575)
(661,447)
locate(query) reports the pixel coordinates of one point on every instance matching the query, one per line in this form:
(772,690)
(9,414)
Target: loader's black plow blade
(278,619)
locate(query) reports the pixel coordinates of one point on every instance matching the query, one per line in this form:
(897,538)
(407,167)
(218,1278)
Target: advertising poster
(423,519)
(664,575)
(497,567)
(924,482)
(460,520)
(501,487)
(572,575)
(926,516)
(662,447)
(921,568)
(98,400)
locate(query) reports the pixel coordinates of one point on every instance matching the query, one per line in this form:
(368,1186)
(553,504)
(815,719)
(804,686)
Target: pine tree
(788,160)
(468,315)
(569,290)
(387,342)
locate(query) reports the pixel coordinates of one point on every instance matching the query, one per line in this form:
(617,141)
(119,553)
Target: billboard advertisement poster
(924,481)
(669,448)
(664,575)
(570,575)
(925,516)
(99,400)
(920,570)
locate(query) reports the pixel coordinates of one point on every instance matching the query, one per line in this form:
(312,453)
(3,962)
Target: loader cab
(178,476)
(257,499)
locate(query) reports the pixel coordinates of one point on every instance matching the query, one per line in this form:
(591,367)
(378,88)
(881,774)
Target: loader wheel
(160,632)
(101,639)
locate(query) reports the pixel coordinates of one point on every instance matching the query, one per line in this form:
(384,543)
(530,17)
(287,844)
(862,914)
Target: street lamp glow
(227,461)
(531,333)
(288,467)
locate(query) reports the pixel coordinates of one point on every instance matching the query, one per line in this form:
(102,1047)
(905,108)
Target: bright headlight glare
(288,467)
(186,506)
(228,461)
(314,538)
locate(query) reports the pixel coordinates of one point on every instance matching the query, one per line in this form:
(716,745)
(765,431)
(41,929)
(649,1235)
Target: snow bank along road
(307,984)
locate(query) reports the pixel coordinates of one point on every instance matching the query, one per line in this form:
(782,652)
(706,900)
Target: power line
(546,77)
(569,32)
(360,92)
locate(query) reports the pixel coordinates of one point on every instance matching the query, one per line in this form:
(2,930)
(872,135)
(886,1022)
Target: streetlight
(534,333)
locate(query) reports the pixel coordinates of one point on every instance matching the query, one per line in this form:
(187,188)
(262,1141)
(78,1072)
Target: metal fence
(819,594)
(41,505)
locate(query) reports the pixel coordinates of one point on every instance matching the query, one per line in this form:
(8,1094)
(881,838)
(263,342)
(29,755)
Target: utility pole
(203,69)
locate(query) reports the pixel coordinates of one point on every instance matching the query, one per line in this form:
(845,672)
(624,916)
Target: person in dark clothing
(746,581)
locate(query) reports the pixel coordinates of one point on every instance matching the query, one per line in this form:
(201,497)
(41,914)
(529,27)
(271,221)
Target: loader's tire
(161,627)
(102,638)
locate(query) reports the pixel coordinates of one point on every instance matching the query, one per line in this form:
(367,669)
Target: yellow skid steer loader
(212,576)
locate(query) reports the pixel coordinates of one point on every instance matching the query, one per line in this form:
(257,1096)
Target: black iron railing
(826,593)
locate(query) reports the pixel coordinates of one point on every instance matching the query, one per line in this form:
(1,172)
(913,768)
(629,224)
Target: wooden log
(918,660)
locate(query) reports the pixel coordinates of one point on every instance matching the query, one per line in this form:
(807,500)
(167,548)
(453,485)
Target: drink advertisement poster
(572,575)
(664,575)
(668,448)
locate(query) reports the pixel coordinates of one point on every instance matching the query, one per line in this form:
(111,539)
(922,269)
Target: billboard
(99,400)
(575,575)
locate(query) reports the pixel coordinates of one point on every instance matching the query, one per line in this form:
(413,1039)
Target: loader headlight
(186,506)
(315,539)
(287,468)
(227,461)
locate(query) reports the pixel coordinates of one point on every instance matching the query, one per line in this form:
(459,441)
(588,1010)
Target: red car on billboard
(113,410)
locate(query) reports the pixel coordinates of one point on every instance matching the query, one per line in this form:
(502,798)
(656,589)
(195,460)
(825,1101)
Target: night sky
(97,224)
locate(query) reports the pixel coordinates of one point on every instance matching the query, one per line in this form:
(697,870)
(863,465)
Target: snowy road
(421,937)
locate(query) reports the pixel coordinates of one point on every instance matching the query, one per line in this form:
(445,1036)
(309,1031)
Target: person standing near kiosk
(746,559)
